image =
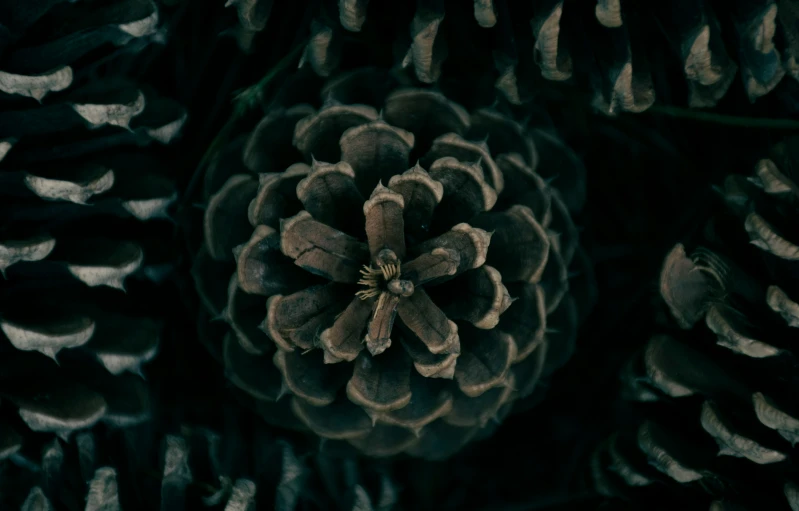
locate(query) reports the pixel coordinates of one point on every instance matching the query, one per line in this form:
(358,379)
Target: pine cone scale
(427,403)
(427,364)
(262,268)
(378,332)
(322,250)
(57,405)
(341,420)
(319,136)
(385,225)
(331,193)
(286,314)
(466,193)
(274,199)
(433,266)
(244,313)
(381,384)
(484,362)
(426,114)
(480,297)
(376,151)
(526,321)
(428,323)
(343,340)
(228,210)
(519,245)
(421,194)
(455,146)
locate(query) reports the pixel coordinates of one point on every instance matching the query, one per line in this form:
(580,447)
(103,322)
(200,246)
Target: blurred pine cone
(612,48)
(83,207)
(723,418)
(196,468)
(254,469)
(471,249)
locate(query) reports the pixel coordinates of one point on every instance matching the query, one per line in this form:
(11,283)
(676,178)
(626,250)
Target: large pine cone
(80,202)
(725,415)
(402,307)
(609,47)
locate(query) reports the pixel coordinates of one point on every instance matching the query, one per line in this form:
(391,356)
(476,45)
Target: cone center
(384,278)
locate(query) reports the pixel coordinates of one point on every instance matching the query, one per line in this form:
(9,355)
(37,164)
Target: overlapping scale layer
(723,418)
(610,48)
(195,468)
(83,207)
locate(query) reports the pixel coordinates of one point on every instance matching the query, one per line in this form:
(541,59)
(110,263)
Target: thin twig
(243,101)
(567,93)
(728,120)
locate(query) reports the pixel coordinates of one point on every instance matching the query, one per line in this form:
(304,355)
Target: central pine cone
(404,306)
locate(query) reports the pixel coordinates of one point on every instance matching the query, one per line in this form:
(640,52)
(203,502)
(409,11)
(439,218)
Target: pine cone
(278,476)
(74,474)
(80,200)
(610,48)
(196,469)
(402,307)
(724,417)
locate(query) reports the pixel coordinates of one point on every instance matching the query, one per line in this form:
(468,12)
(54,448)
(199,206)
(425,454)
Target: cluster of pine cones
(360,255)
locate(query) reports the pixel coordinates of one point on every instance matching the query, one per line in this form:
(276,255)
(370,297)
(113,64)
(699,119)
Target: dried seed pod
(605,46)
(734,397)
(82,202)
(195,468)
(391,303)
